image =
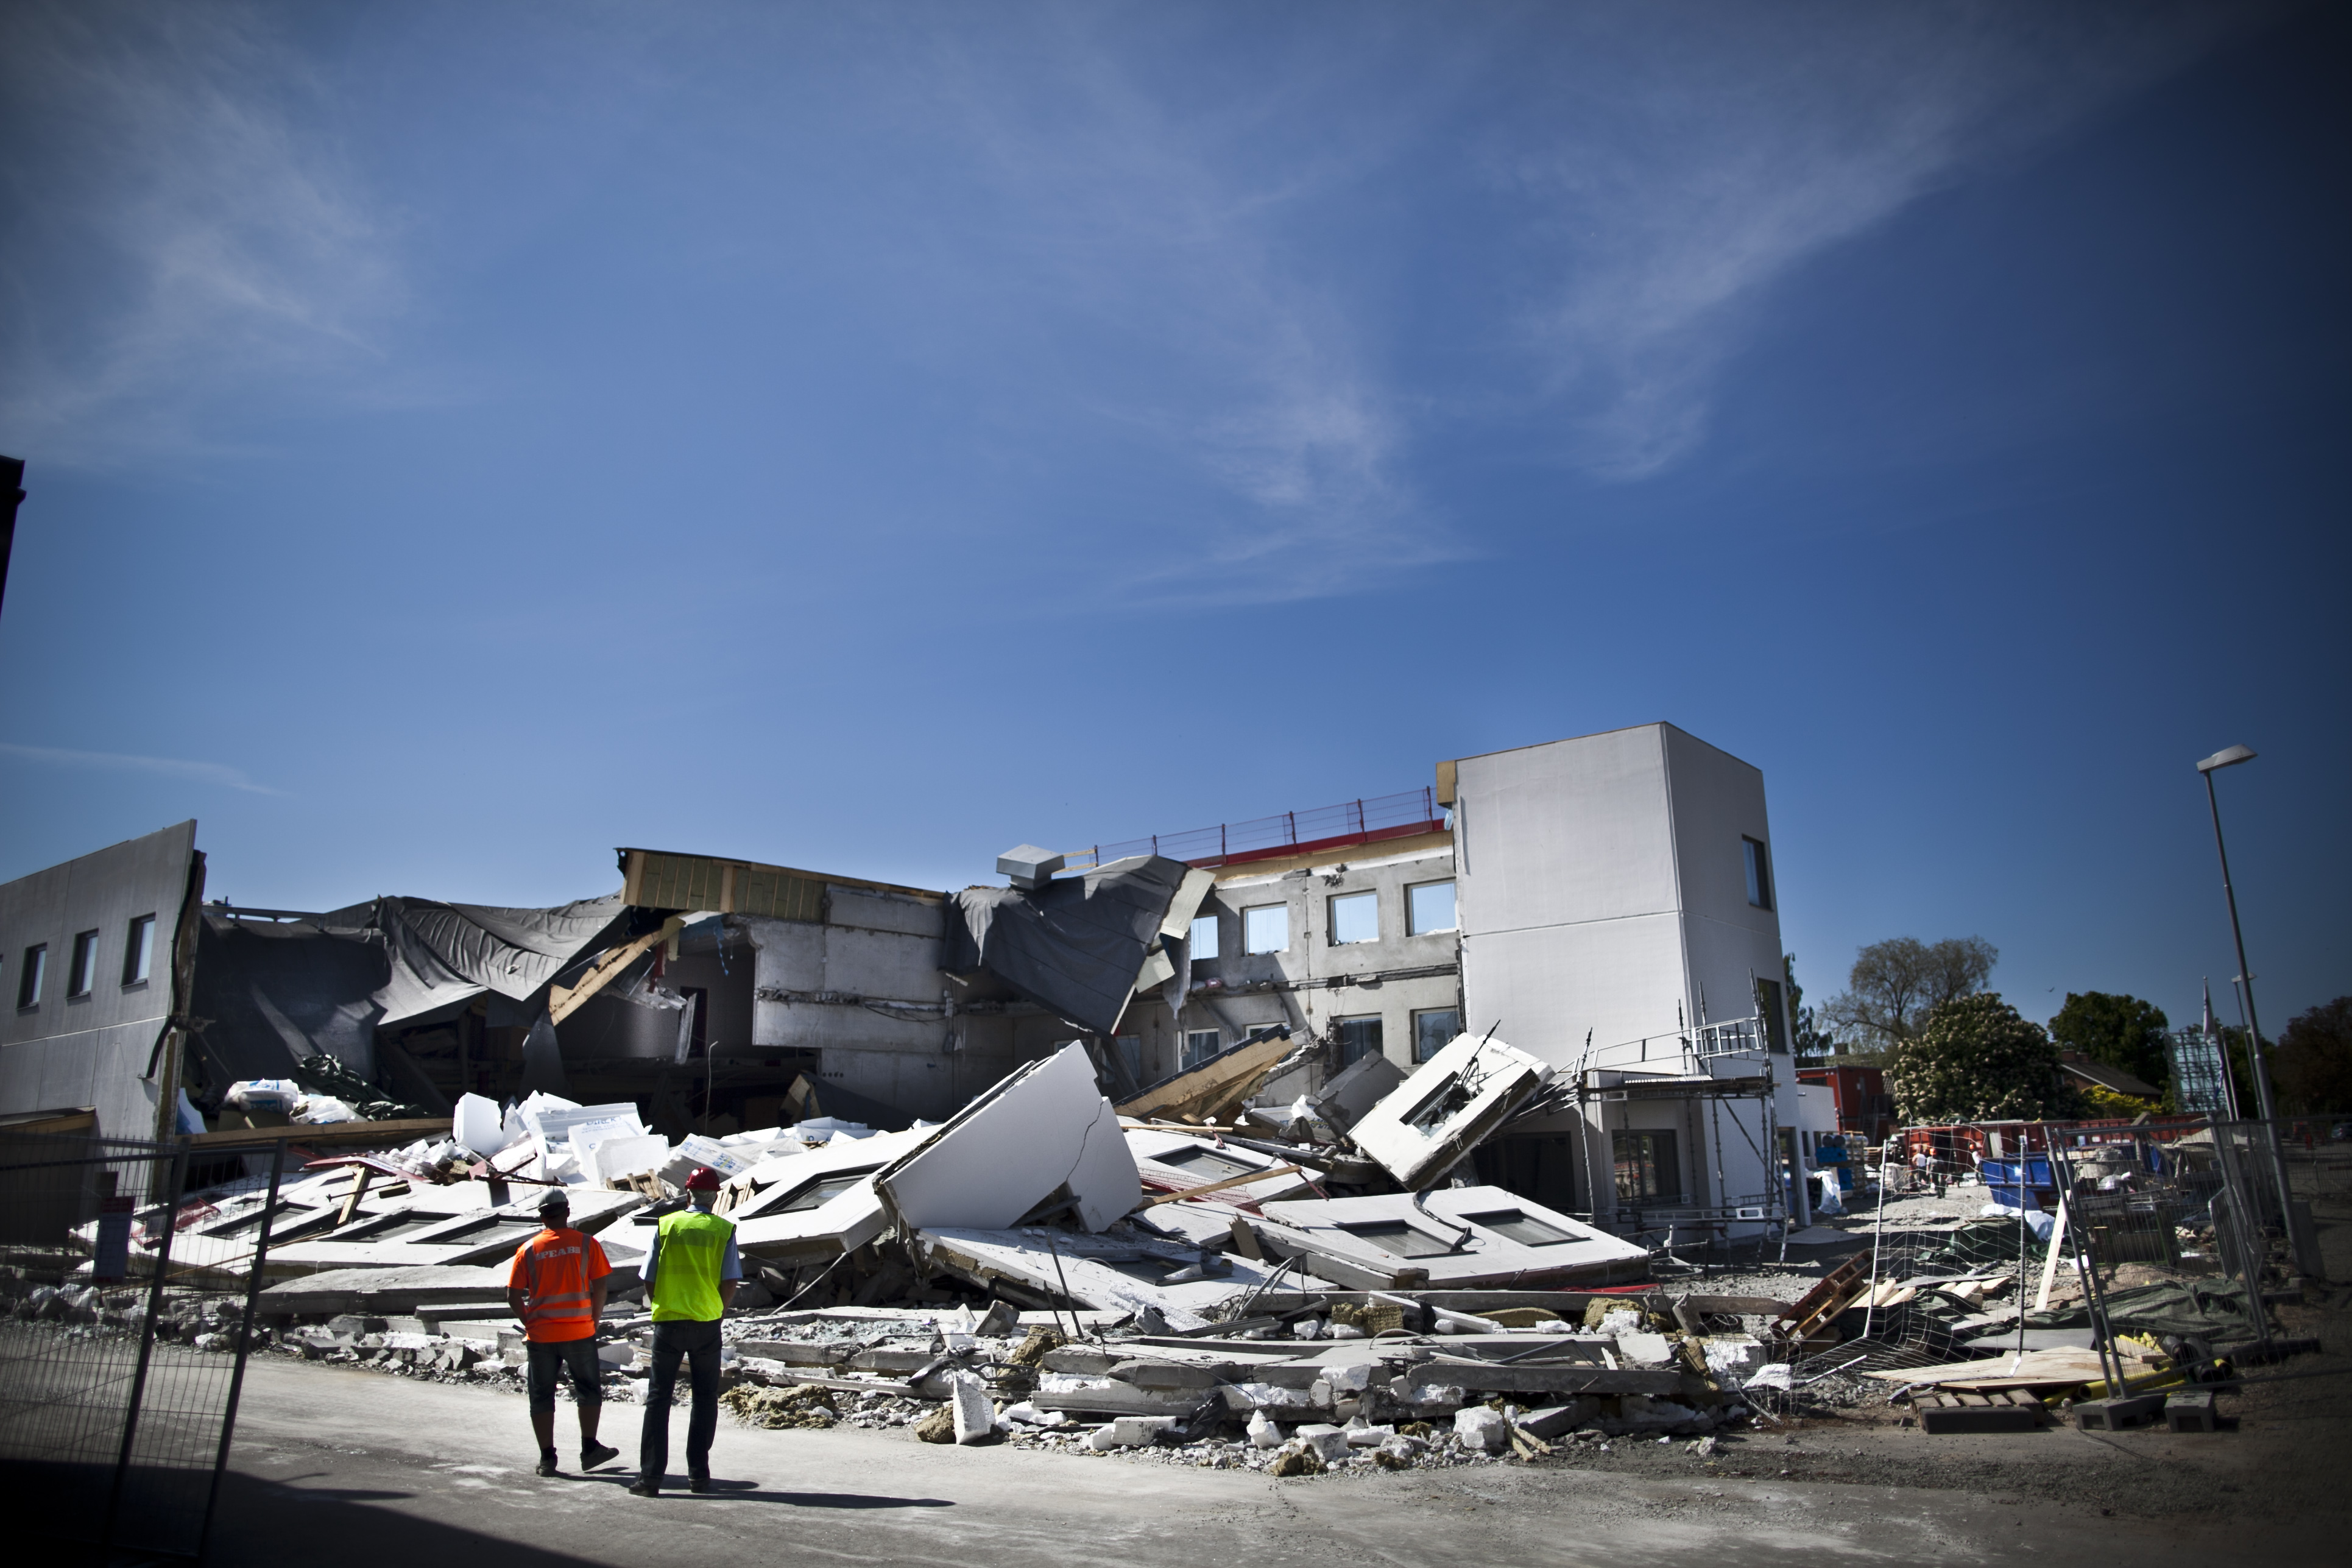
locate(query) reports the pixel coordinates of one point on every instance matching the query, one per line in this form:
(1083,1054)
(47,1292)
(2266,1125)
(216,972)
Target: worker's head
(702,1187)
(555,1211)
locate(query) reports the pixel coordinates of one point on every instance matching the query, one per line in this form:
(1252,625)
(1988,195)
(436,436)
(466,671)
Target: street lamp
(2229,758)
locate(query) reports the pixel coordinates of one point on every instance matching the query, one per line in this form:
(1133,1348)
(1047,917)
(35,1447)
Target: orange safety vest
(554,1270)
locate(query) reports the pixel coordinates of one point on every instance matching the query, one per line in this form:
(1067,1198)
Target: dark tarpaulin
(1074,945)
(275,995)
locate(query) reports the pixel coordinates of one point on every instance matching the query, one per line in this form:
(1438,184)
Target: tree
(1812,1039)
(1973,1059)
(1895,984)
(2121,1031)
(2314,1059)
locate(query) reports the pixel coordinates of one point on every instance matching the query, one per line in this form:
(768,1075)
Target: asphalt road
(355,1470)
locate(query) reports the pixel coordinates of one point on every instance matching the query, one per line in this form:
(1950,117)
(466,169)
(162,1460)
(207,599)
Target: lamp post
(2230,758)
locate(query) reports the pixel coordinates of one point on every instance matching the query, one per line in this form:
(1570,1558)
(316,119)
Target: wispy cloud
(1673,175)
(218,775)
(179,225)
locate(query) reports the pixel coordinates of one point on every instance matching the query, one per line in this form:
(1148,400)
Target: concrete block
(1639,1348)
(1554,1420)
(975,1417)
(1130,1431)
(1732,1357)
(2189,1411)
(1364,1434)
(1946,1417)
(1000,1319)
(1482,1428)
(618,1353)
(1328,1443)
(1396,1454)
(1262,1431)
(1353,1378)
(2116,1414)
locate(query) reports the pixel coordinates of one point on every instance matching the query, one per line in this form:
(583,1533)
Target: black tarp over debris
(1074,945)
(267,996)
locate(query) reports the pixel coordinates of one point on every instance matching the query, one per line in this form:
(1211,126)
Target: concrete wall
(91,1050)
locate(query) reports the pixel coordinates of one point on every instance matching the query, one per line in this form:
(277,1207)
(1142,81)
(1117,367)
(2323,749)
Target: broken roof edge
(630,874)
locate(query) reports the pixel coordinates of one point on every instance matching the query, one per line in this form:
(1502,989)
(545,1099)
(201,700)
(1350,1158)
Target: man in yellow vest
(690,1274)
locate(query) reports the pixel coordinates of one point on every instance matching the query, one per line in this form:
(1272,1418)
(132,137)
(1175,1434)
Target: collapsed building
(1605,903)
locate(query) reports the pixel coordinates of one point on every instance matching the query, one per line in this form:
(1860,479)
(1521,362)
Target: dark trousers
(698,1345)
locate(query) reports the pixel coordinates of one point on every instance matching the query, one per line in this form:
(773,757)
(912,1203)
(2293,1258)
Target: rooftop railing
(1363,821)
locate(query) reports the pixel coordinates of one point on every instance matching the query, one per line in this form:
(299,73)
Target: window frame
(1417,1014)
(1413,926)
(81,965)
(139,952)
(32,976)
(1363,898)
(1376,1045)
(1189,1053)
(1249,947)
(1660,1161)
(1193,939)
(1759,857)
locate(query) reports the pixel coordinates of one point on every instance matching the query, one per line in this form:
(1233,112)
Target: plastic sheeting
(1074,945)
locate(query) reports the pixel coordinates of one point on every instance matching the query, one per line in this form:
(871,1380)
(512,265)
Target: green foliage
(1812,1039)
(2121,1031)
(1974,1059)
(1897,983)
(2313,1061)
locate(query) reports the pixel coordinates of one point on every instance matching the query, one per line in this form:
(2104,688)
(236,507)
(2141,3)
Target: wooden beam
(564,1001)
(330,1134)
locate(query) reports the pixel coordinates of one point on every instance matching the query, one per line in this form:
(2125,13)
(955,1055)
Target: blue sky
(464,439)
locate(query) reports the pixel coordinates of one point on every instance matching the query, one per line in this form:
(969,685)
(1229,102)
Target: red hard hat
(704,1180)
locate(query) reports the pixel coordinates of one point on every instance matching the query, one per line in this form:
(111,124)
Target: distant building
(2084,1073)
(1863,1107)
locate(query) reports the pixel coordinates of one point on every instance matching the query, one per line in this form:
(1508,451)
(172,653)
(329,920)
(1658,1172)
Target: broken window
(1399,1237)
(1205,1163)
(81,974)
(1647,1169)
(1760,874)
(1355,917)
(139,950)
(1203,943)
(31,974)
(822,1192)
(1433,1029)
(1429,906)
(1522,1228)
(1200,1044)
(1358,1038)
(1266,928)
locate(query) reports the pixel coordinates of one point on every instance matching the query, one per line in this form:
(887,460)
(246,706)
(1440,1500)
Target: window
(1429,906)
(139,952)
(1131,1055)
(32,973)
(822,1191)
(1203,943)
(1358,1038)
(1647,1171)
(1399,1238)
(1433,1030)
(1200,1044)
(81,974)
(1355,917)
(1205,1165)
(1266,928)
(1520,1227)
(1760,874)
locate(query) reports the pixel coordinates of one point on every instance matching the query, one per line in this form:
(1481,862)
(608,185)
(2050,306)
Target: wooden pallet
(2012,1410)
(1839,1289)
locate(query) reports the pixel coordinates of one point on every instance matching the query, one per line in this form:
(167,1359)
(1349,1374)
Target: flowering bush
(1975,1059)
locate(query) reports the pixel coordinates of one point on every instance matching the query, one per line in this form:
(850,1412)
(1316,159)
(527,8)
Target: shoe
(590,1457)
(646,1489)
(547,1468)
(698,1483)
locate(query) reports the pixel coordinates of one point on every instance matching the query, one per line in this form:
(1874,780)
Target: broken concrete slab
(1178,1161)
(1044,1130)
(1426,1125)
(1457,1236)
(1125,1272)
(1480,1428)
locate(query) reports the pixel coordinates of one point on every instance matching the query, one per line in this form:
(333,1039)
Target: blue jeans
(698,1344)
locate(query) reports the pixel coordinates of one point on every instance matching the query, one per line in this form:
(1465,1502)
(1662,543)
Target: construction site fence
(2163,1240)
(120,1368)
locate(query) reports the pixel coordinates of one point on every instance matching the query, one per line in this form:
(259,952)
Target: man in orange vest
(557,1289)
